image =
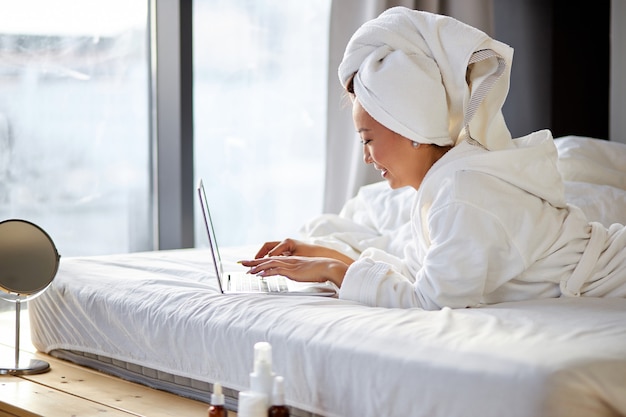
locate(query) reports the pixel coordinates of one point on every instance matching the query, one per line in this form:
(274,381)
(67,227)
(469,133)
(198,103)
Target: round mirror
(28,263)
(28,260)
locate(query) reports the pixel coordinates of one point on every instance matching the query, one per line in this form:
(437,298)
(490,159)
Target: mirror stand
(34,366)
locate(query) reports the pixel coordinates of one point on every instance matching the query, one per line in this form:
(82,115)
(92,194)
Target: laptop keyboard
(253,283)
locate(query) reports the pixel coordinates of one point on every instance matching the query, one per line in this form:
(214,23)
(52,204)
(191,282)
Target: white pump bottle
(262,377)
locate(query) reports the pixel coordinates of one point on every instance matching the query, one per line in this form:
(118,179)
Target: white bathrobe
(490,221)
(489,227)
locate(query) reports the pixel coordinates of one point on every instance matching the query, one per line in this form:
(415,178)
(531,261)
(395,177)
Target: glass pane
(260,71)
(74,127)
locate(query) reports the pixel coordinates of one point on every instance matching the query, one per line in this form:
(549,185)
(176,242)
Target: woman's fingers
(296,268)
(262,266)
(299,268)
(266,248)
(285,248)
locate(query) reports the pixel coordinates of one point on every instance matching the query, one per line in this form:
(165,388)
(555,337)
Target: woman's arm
(292,247)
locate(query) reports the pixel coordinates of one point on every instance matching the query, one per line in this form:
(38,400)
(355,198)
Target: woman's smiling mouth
(383,171)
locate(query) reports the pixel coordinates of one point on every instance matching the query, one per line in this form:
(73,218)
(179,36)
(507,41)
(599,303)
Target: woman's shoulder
(529,165)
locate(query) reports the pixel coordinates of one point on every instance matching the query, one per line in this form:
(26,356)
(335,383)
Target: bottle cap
(217,397)
(278,393)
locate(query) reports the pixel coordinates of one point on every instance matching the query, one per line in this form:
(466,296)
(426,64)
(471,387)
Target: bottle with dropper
(216,409)
(278,408)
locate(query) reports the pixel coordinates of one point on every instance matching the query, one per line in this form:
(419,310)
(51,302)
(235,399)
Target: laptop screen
(215,253)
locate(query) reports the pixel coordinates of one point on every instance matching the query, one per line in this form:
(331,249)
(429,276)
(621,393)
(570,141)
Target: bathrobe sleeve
(469,255)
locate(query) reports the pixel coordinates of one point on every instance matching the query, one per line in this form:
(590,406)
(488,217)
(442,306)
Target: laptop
(241,282)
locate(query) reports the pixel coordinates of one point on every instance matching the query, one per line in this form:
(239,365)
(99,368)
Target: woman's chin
(394,184)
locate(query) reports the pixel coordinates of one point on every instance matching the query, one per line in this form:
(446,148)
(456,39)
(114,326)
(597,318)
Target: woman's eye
(365,141)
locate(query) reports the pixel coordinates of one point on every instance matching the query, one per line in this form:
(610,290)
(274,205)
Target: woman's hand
(292,247)
(299,268)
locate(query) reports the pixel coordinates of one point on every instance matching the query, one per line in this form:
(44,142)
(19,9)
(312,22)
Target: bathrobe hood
(529,164)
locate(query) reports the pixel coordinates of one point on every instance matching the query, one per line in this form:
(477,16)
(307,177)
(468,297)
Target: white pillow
(594,161)
(600,203)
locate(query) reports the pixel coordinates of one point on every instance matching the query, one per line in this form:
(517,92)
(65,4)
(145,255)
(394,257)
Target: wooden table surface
(70,390)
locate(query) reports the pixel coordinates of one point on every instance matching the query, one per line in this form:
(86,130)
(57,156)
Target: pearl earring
(416,144)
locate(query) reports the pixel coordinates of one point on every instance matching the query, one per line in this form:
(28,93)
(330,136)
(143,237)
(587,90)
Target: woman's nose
(367,158)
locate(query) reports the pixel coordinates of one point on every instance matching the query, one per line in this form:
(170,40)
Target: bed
(159,319)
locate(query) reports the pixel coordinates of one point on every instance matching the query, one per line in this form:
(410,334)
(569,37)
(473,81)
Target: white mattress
(162,311)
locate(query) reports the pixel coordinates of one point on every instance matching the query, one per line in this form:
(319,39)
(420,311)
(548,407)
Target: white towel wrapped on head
(412,76)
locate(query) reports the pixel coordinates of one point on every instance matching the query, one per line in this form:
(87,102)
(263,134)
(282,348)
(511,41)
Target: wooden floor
(69,390)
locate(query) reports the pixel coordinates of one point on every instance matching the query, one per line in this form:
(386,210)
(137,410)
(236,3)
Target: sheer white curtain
(345,169)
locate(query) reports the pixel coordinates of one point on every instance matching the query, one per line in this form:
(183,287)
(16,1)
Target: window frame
(171,130)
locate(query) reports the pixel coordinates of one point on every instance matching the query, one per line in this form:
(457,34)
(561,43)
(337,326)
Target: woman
(490,223)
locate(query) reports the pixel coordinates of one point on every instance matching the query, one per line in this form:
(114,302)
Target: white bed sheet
(559,357)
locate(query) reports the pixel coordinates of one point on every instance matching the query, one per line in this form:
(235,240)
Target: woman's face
(398,161)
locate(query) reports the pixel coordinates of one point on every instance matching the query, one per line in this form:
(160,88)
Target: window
(260,74)
(74,122)
(76,129)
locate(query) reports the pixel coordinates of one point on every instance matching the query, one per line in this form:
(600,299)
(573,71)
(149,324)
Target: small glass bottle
(216,409)
(278,408)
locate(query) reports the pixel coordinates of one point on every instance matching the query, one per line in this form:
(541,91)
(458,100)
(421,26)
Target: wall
(526,26)
(561,66)
(617,119)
